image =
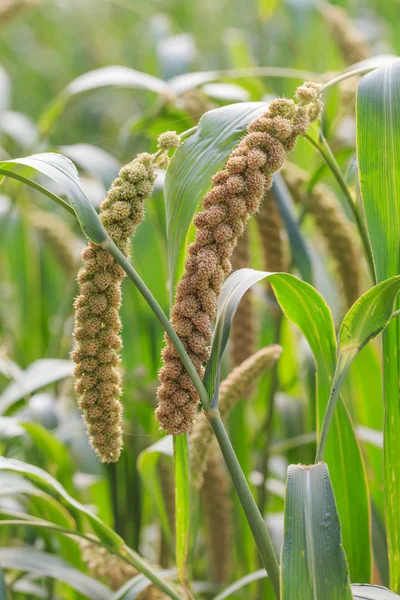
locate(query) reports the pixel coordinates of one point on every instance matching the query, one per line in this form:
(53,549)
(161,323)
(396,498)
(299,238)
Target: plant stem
(253,515)
(324,149)
(347,75)
(338,379)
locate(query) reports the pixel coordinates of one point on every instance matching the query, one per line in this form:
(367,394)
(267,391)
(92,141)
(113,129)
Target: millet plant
(245,228)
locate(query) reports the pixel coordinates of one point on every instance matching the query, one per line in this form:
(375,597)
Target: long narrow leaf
(378,149)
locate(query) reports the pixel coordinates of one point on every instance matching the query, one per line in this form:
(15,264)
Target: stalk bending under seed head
(338,231)
(217,504)
(59,237)
(243,334)
(231,390)
(270,227)
(349,39)
(97,322)
(236,195)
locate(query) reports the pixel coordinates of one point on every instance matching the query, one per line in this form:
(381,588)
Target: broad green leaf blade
(50,485)
(112,76)
(365,320)
(378,150)
(182,502)
(313,561)
(39,374)
(306,308)
(378,102)
(372,592)
(189,173)
(63,172)
(47,565)
(147,466)
(241,583)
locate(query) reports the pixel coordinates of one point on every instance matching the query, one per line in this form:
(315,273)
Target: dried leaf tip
(97,322)
(235,196)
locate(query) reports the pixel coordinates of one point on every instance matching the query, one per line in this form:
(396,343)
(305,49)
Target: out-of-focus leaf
(241,583)
(5,90)
(39,374)
(94,160)
(19,127)
(189,173)
(227,92)
(372,592)
(131,589)
(147,467)
(313,561)
(378,151)
(48,484)
(114,76)
(47,565)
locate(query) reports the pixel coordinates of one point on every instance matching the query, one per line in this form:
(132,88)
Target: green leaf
(367,318)
(48,565)
(61,170)
(48,484)
(182,502)
(313,561)
(147,466)
(112,76)
(306,308)
(378,103)
(192,166)
(372,592)
(298,246)
(39,374)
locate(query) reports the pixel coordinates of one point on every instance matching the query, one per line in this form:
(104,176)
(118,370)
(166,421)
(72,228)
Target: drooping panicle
(235,196)
(231,390)
(97,322)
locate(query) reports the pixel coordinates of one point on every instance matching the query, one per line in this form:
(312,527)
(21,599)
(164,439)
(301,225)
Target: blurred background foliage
(44,46)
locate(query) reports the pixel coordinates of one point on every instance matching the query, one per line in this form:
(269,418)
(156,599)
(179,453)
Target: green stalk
(253,515)
(324,149)
(250,508)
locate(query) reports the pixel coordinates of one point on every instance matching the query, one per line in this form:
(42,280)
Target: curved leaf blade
(313,561)
(378,102)
(303,305)
(112,76)
(189,174)
(372,592)
(48,565)
(61,170)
